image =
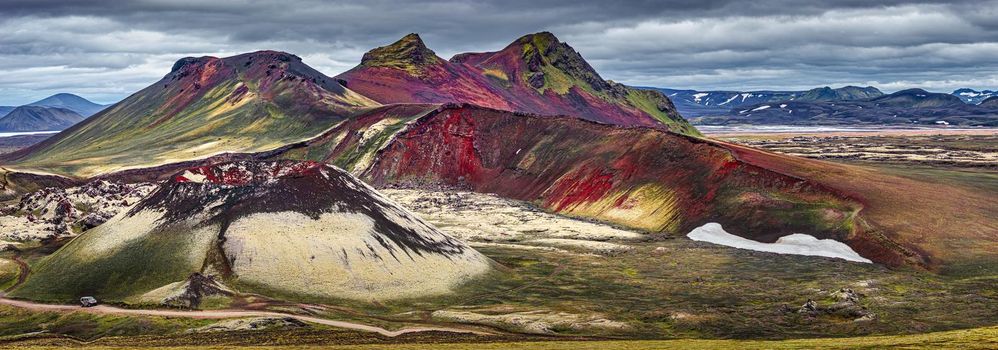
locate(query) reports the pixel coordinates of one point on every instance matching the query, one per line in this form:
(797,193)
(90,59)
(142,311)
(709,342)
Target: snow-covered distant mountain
(906,107)
(692,103)
(971,96)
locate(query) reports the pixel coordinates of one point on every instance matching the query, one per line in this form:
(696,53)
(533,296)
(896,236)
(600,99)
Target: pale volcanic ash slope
(286,228)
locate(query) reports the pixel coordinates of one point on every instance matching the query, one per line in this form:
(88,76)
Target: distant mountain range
(71,102)
(971,96)
(37,118)
(56,112)
(692,103)
(848,105)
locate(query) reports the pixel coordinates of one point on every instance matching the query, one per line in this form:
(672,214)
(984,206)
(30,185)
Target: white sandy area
(339,256)
(478,217)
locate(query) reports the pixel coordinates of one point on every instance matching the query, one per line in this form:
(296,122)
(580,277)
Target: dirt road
(23,275)
(221,314)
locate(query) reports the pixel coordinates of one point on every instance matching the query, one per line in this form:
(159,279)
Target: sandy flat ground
(858,132)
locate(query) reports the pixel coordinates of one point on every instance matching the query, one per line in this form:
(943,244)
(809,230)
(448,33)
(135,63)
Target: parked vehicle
(88,301)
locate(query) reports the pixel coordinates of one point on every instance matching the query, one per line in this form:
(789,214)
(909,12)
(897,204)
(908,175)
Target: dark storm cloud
(106,50)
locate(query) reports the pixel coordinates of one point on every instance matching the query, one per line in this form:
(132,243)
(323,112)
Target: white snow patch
(199,178)
(795,244)
(698,96)
(761,108)
(783,105)
(729,100)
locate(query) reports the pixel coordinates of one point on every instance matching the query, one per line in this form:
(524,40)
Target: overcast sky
(106,50)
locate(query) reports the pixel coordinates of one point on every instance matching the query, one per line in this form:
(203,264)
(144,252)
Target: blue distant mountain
(693,103)
(56,112)
(71,102)
(849,105)
(971,96)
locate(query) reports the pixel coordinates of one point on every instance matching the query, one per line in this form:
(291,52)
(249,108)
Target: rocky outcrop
(57,212)
(252,324)
(408,53)
(847,305)
(190,293)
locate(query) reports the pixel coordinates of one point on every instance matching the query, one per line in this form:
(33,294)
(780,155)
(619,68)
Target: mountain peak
(912,91)
(38,118)
(71,102)
(190,61)
(408,53)
(543,51)
(542,39)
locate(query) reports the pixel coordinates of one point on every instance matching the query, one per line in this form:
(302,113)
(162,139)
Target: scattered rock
(56,212)
(846,294)
(848,306)
(245,324)
(188,294)
(535,322)
(810,308)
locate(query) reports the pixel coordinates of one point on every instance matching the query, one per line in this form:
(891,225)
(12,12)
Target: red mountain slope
(637,177)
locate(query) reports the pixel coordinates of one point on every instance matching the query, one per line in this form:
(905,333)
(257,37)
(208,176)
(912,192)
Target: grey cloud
(109,50)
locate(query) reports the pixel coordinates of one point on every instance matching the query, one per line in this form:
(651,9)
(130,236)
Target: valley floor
(936,148)
(563,279)
(979,338)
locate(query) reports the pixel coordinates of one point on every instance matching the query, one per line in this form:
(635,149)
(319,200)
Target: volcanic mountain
(286,228)
(71,102)
(847,93)
(537,74)
(655,181)
(917,98)
(990,102)
(246,103)
(36,118)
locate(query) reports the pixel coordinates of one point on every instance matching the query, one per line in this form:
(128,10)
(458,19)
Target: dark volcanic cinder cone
(286,228)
